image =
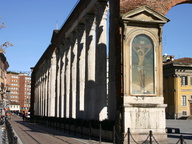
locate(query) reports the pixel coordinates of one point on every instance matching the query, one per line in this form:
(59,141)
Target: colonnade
(72,82)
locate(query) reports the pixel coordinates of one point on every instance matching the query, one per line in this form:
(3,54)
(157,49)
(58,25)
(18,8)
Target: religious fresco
(143,75)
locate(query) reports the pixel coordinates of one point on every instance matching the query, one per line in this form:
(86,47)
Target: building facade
(13,85)
(20,90)
(177,83)
(3,86)
(25,91)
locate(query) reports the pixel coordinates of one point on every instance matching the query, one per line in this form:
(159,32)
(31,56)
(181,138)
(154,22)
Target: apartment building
(13,86)
(3,89)
(177,84)
(25,91)
(20,90)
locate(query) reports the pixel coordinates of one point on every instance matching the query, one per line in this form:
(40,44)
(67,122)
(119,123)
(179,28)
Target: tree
(5,44)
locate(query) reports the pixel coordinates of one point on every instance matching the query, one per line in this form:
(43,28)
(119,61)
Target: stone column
(46,93)
(61,76)
(81,56)
(90,66)
(101,52)
(48,87)
(114,57)
(43,94)
(58,96)
(73,39)
(40,95)
(63,85)
(44,90)
(52,85)
(49,91)
(68,72)
(36,95)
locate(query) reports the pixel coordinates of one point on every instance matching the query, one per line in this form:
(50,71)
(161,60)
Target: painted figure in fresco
(141,50)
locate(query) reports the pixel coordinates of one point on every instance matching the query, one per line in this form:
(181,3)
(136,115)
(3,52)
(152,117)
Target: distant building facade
(13,84)
(20,90)
(4,65)
(25,91)
(14,108)
(177,85)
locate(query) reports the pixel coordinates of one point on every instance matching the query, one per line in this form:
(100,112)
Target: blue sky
(177,33)
(30,23)
(29,27)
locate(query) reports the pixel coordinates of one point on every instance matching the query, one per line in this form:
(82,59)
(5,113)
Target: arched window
(142,69)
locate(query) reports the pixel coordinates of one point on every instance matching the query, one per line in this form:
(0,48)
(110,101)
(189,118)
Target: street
(38,134)
(185,127)
(32,133)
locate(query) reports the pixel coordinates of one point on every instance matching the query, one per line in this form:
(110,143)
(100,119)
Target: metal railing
(10,133)
(88,130)
(150,139)
(181,140)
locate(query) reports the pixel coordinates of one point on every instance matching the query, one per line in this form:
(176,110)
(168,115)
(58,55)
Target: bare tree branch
(5,44)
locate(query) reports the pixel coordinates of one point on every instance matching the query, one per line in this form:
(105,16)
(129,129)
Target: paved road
(185,127)
(30,133)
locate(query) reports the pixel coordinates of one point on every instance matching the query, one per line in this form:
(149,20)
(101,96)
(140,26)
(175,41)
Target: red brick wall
(22,90)
(162,6)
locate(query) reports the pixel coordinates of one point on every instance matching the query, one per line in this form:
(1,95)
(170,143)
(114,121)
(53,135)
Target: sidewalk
(34,133)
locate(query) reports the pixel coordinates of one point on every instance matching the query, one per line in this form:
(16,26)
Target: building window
(184,112)
(184,80)
(184,100)
(143,65)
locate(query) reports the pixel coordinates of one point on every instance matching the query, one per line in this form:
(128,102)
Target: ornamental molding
(144,14)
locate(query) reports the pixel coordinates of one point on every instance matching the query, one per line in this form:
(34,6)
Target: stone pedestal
(142,118)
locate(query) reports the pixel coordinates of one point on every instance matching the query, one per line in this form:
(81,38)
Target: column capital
(66,43)
(53,58)
(89,17)
(101,9)
(73,36)
(90,22)
(80,28)
(58,52)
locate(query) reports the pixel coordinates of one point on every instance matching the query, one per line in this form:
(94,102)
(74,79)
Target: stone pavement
(31,133)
